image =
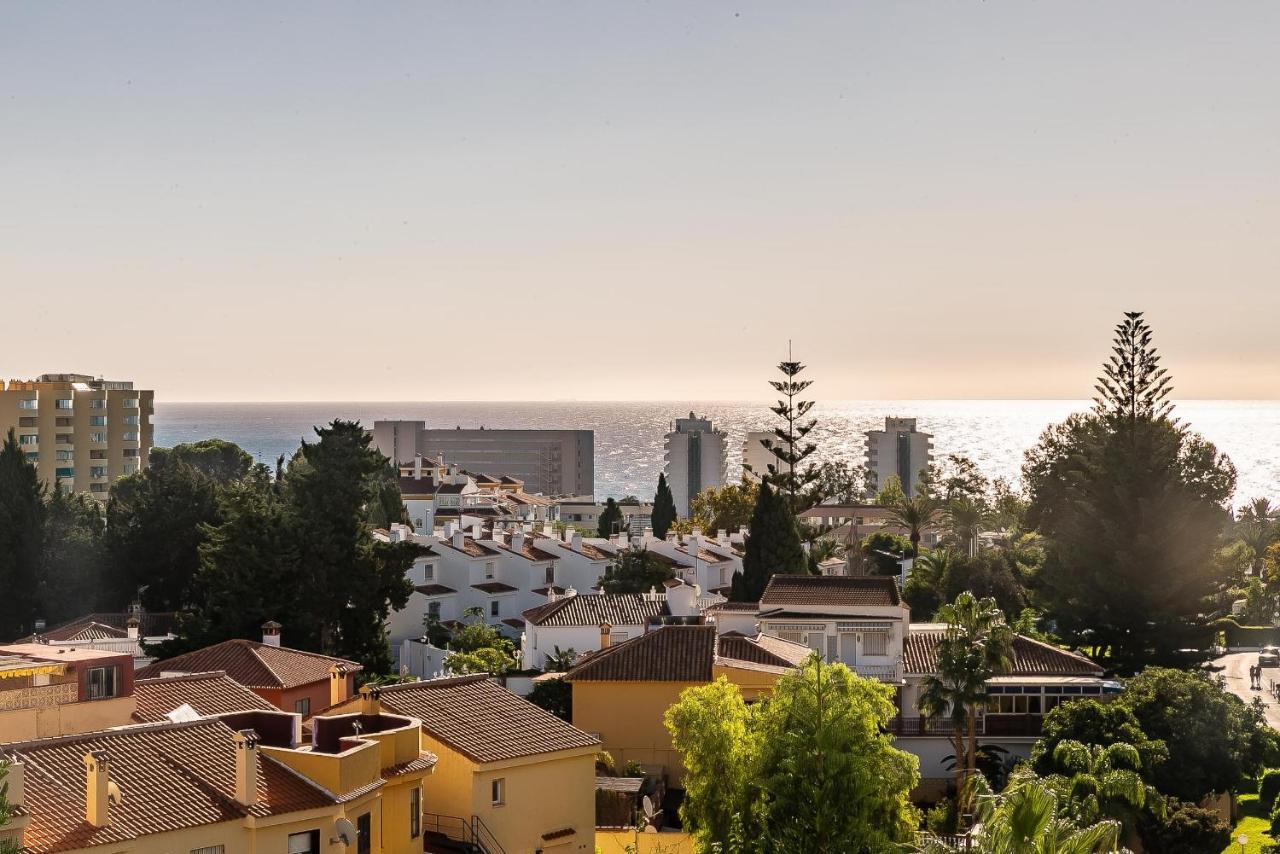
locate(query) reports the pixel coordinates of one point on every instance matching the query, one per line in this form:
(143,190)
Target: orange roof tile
(208,693)
(253,664)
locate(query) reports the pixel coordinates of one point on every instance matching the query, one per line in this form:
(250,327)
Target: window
(364,834)
(62,422)
(129,437)
(210,849)
(429,570)
(97,403)
(99,438)
(127,452)
(28,403)
(65,439)
(97,487)
(102,682)
(33,456)
(303,706)
(433,610)
(64,456)
(98,454)
(63,403)
(488,570)
(28,421)
(97,471)
(131,420)
(415,813)
(130,403)
(130,468)
(794,637)
(617,637)
(97,421)
(493,608)
(65,471)
(28,439)
(498,792)
(875,643)
(551,574)
(307,842)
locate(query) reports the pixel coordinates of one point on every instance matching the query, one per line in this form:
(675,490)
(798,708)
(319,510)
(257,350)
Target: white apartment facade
(694,458)
(756,458)
(898,450)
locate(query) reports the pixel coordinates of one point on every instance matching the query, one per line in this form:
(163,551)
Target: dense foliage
(726,508)
(773,546)
(664,508)
(637,570)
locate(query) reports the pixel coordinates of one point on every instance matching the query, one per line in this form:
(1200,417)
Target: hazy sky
(471,200)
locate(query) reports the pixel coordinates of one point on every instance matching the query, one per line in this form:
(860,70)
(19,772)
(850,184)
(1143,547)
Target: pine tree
(21,539)
(664,508)
(610,521)
(790,474)
(773,546)
(72,563)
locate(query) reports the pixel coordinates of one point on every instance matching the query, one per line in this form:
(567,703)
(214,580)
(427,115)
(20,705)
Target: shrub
(634,769)
(944,818)
(1185,829)
(1268,788)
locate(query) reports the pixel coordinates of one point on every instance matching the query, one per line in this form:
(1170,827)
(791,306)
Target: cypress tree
(773,546)
(21,539)
(664,508)
(610,521)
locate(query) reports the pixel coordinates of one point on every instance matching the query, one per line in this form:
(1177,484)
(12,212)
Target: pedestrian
(1253,677)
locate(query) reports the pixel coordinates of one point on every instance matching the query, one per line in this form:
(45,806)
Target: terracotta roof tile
(172,776)
(253,664)
(667,654)
(482,720)
(494,587)
(470,547)
(830,590)
(110,624)
(208,693)
(1030,657)
(592,609)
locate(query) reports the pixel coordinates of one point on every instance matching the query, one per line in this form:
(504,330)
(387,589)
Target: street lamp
(1243,839)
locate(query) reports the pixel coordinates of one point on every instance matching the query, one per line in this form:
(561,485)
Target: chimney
(337,685)
(370,701)
(570,591)
(246,746)
(517,541)
(96,777)
(605,628)
(459,539)
(131,626)
(648,533)
(417,467)
(723,535)
(271,633)
(576,542)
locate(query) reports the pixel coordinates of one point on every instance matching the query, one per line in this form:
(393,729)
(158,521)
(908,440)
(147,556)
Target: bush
(1247,636)
(1268,788)
(944,818)
(1185,829)
(634,769)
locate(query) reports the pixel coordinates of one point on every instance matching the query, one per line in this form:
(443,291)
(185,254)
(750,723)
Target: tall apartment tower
(695,459)
(756,458)
(81,432)
(550,462)
(899,449)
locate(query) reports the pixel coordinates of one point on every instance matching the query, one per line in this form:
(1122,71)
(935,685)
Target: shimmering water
(628,436)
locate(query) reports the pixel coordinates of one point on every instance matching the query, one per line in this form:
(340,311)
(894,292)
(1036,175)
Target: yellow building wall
(628,716)
(66,719)
(667,842)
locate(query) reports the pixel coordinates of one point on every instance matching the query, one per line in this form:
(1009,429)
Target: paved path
(1235,669)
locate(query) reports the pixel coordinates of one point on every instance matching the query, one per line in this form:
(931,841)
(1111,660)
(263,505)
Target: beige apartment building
(81,432)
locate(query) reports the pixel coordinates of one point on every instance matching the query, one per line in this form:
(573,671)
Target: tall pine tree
(790,474)
(21,539)
(664,508)
(773,546)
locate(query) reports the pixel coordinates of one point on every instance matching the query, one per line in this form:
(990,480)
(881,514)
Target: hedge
(1268,788)
(1247,636)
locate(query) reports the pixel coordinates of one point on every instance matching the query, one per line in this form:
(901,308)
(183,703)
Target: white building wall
(693,437)
(884,458)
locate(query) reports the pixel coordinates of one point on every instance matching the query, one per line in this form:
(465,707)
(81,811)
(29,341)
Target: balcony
(39,697)
(884,672)
(1018,726)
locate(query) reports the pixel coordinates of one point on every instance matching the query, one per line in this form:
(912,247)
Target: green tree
(914,515)
(218,459)
(926,583)
(352,580)
(1131,505)
(810,768)
(890,492)
(1088,721)
(791,474)
(480,648)
(964,520)
(664,509)
(976,646)
(773,546)
(610,521)
(841,482)
(1102,782)
(22,514)
(727,508)
(881,553)
(636,571)
(7,846)
(554,695)
(71,564)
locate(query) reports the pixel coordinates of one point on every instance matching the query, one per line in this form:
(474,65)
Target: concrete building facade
(898,450)
(80,432)
(550,462)
(695,459)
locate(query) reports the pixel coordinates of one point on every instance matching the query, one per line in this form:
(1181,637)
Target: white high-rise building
(695,459)
(899,449)
(756,458)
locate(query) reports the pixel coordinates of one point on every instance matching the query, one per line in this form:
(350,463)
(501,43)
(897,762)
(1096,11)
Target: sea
(629,435)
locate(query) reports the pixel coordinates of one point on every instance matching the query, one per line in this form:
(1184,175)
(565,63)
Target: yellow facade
(65,719)
(628,716)
(630,842)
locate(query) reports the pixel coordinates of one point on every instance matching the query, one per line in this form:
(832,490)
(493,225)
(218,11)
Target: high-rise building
(899,449)
(695,459)
(81,432)
(550,462)
(756,458)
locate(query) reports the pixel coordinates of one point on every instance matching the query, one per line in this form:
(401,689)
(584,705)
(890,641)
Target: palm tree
(1258,534)
(965,518)
(1258,510)
(976,646)
(914,515)
(1100,782)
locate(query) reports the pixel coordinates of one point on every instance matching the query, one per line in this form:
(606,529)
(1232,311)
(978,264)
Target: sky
(608,200)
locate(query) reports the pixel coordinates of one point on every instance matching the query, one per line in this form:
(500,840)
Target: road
(1235,669)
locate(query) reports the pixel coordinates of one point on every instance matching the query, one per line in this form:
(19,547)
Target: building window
(28,421)
(210,849)
(97,403)
(433,611)
(28,403)
(488,570)
(102,682)
(97,421)
(303,706)
(551,574)
(63,403)
(97,487)
(429,570)
(131,420)
(498,792)
(307,842)
(100,438)
(127,452)
(364,834)
(130,403)
(64,456)
(129,437)
(33,456)
(98,454)
(65,439)
(493,608)
(62,422)
(28,439)
(875,643)
(617,637)
(415,813)
(65,471)
(97,471)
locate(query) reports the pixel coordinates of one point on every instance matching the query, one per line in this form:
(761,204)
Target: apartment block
(80,432)
(695,459)
(899,449)
(550,462)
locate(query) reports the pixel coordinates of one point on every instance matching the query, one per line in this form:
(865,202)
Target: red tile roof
(680,653)
(470,547)
(592,609)
(253,664)
(482,720)
(1030,657)
(171,777)
(830,590)
(108,624)
(208,693)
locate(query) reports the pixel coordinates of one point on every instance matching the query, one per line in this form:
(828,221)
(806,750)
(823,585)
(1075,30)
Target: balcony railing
(987,725)
(39,696)
(883,672)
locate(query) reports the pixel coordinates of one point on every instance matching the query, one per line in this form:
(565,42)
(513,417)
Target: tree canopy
(773,546)
(664,508)
(727,507)
(636,571)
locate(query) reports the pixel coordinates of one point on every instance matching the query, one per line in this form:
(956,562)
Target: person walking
(1253,677)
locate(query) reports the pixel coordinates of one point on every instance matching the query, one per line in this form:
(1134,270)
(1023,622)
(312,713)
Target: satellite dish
(346,831)
(647,804)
